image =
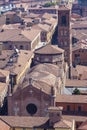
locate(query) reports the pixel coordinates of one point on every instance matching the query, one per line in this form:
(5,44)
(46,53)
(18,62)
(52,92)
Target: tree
(76,91)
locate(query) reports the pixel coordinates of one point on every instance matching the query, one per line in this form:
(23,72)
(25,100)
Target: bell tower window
(63,21)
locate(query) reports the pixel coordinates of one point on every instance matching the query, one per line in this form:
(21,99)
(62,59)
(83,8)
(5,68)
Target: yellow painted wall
(21,129)
(24,70)
(38,129)
(61,129)
(25,129)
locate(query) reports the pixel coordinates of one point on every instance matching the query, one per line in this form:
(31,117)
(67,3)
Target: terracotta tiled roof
(79,45)
(29,122)
(71,98)
(81,69)
(44,27)
(10,13)
(32,122)
(76,83)
(49,49)
(63,124)
(76,118)
(43,76)
(83,126)
(14,35)
(76,16)
(18,35)
(80,72)
(30,34)
(50,68)
(46,16)
(4,57)
(63,7)
(23,58)
(2,87)
(3,73)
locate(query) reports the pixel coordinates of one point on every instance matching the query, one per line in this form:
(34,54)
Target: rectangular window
(24,128)
(68,108)
(79,108)
(63,20)
(77,55)
(34,128)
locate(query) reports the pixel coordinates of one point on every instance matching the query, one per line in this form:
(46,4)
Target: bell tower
(64,34)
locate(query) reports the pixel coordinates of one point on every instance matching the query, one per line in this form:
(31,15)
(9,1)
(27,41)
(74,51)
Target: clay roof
(63,7)
(51,21)
(79,46)
(44,27)
(80,35)
(18,35)
(76,83)
(11,26)
(81,69)
(83,92)
(2,87)
(14,35)
(50,68)
(23,58)
(18,62)
(43,77)
(29,122)
(10,13)
(72,98)
(4,73)
(76,118)
(33,15)
(80,72)
(76,16)
(30,34)
(33,122)
(63,124)
(46,16)
(49,49)
(79,24)
(83,126)
(4,57)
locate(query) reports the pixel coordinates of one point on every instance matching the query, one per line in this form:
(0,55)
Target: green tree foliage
(76,91)
(48,4)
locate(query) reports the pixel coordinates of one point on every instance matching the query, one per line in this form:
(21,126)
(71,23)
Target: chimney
(53,96)
(1,44)
(55,115)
